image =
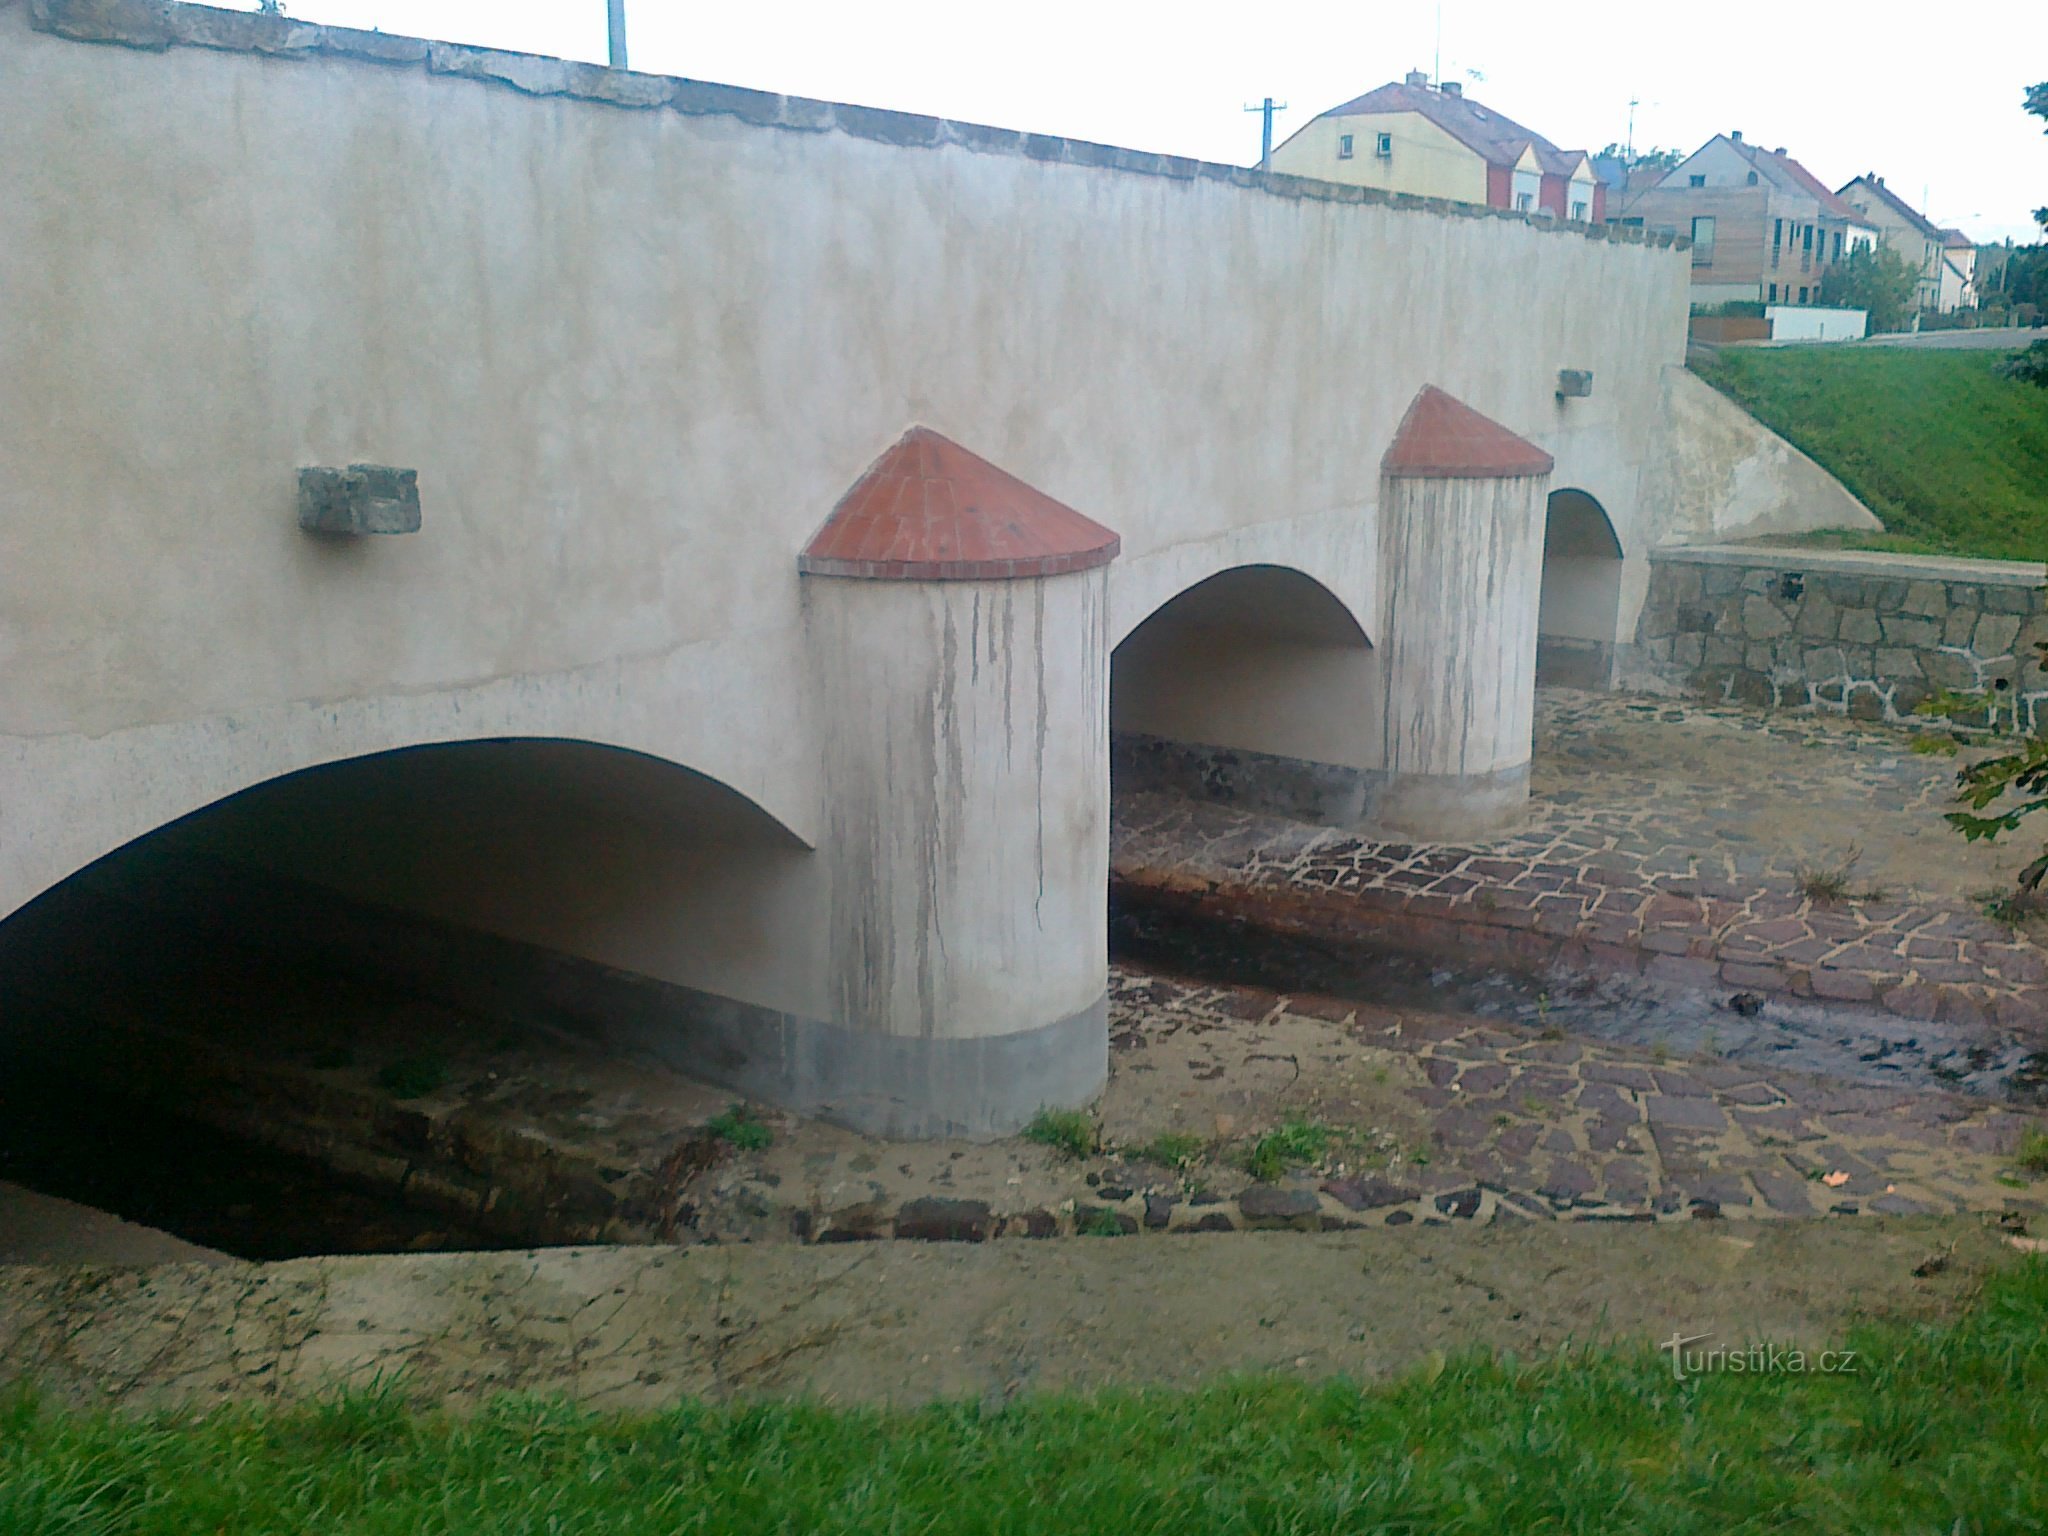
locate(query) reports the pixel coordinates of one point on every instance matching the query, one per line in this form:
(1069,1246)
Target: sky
(1925,95)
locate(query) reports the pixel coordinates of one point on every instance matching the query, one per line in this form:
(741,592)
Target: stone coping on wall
(1858,562)
(158,25)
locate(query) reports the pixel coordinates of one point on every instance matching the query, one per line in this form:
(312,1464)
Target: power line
(1265,111)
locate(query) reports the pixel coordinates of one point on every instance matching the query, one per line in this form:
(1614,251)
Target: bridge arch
(1579,614)
(544,882)
(1257,685)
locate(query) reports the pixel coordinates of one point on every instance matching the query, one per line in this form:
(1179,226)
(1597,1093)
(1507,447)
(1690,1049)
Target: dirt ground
(903,1322)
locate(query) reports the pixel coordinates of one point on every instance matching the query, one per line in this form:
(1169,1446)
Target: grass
(2032,1156)
(1293,1143)
(1069,1131)
(1939,1429)
(1172,1149)
(738,1128)
(1950,455)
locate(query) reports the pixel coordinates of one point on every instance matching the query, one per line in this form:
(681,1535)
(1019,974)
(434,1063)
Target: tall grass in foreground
(1945,1428)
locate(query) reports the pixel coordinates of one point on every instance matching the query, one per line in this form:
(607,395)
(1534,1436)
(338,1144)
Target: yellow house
(1434,141)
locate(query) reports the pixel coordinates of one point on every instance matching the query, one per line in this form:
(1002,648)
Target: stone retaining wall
(1850,632)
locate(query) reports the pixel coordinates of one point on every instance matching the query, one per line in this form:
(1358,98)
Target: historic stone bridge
(808,496)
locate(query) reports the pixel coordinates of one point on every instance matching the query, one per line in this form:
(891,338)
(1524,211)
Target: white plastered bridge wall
(638,336)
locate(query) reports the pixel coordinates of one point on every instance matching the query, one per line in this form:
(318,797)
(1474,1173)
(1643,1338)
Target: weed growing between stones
(1068,1131)
(739,1128)
(1294,1143)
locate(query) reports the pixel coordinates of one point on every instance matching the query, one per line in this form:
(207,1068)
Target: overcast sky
(1927,95)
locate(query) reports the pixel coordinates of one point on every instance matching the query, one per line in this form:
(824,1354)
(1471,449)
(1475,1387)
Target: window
(1774,293)
(1777,239)
(1703,242)
(1838,245)
(1522,202)
(1696,181)
(1633,223)
(1384,146)
(1806,238)
(1751,178)
(1802,295)
(1579,212)
(1343,146)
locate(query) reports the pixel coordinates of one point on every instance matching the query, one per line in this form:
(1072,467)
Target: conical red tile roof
(1444,438)
(928,510)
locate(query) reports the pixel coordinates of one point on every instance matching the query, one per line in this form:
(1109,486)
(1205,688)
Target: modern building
(1434,141)
(1764,228)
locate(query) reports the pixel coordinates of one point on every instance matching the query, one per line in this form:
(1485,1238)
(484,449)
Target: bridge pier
(958,622)
(1461,554)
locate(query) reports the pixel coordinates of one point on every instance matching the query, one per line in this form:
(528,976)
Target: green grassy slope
(1951,455)
(1940,1428)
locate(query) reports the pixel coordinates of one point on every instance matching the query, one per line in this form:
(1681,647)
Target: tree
(2037,103)
(1647,159)
(1873,278)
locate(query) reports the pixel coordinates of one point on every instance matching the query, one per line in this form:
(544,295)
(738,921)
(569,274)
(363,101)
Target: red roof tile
(928,510)
(1443,438)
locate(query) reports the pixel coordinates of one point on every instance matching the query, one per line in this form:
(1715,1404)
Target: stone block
(1817,618)
(1688,650)
(1949,669)
(1759,581)
(1720,580)
(1902,629)
(934,1219)
(1823,662)
(1893,661)
(1859,625)
(1720,651)
(1683,581)
(1928,599)
(1959,626)
(1763,619)
(1760,658)
(1996,634)
(362,499)
(1962,595)
(2015,600)
(1696,619)
(1264,1205)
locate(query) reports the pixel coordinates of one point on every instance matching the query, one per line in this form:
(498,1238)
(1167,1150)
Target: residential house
(1435,141)
(1763,227)
(1944,258)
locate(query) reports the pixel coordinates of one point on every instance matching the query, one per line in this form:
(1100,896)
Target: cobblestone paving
(1672,839)
(1463,1120)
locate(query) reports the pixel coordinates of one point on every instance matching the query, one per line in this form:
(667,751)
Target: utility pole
(615,18)
(1266,112)
(1629,150)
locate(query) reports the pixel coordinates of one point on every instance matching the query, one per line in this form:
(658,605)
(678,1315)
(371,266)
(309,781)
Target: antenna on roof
(1438,68)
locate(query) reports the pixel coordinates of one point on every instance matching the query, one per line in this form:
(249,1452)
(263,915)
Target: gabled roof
(928,510)
(1496,139)
(1956,240)
(1788,173)
(1897,204)
(1442,438)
